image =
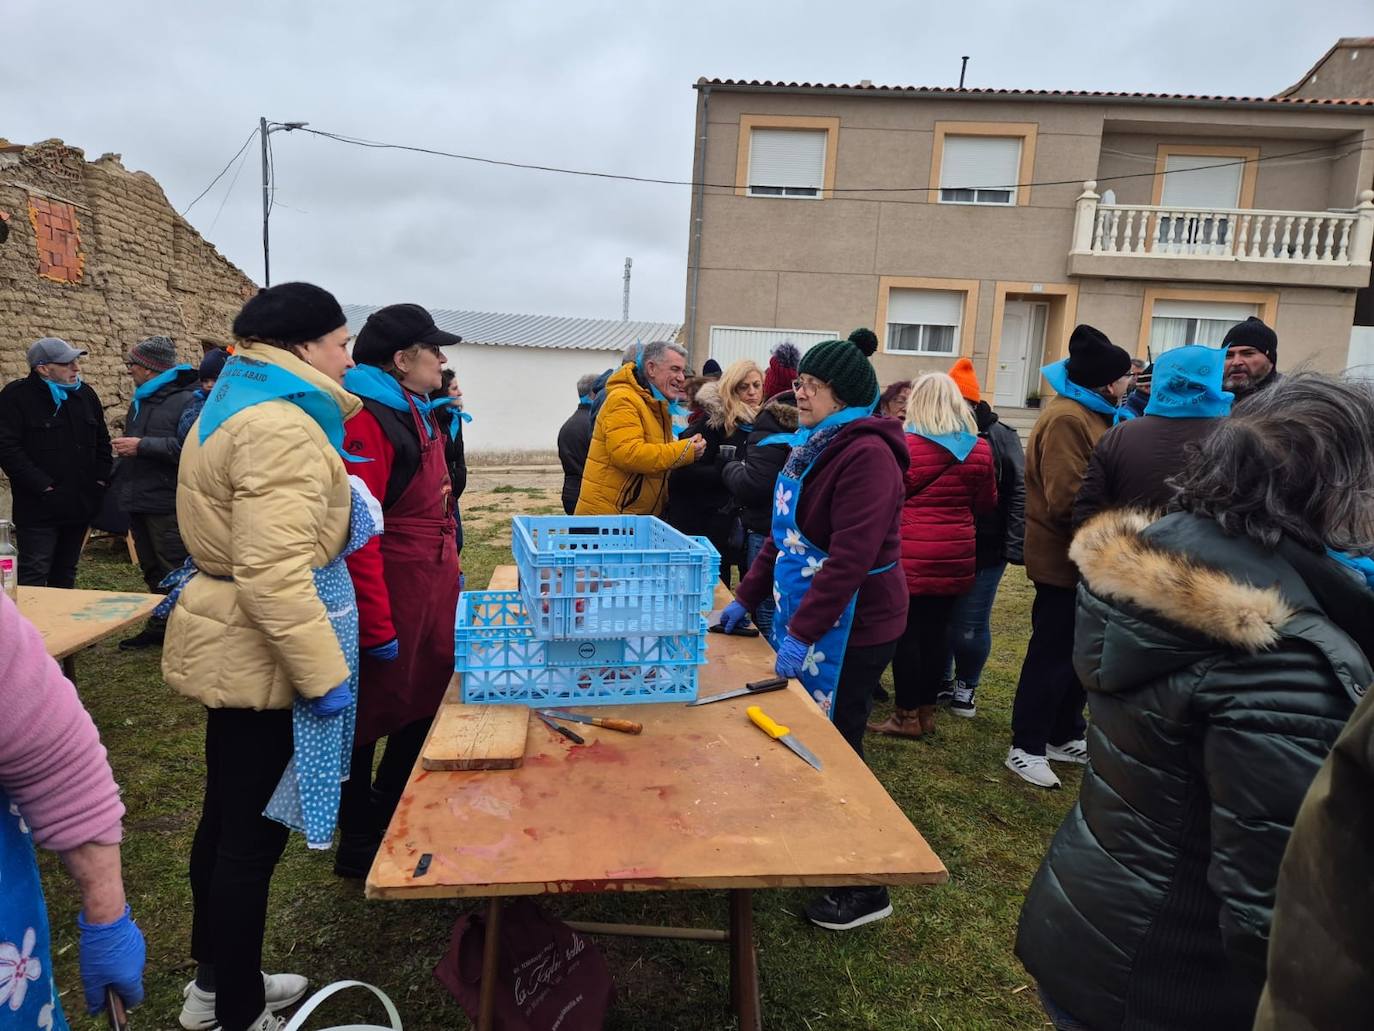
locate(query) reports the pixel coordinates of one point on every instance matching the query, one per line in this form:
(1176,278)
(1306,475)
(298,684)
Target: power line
(232,183)
(434,152)
(221,172)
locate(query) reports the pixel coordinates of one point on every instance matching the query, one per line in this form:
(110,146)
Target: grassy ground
(943,961)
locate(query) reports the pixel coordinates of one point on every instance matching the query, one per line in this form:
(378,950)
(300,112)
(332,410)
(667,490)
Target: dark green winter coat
(1219,674)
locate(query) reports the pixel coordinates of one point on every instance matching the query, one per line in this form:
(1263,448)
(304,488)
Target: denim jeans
(1061,1019)
(970,627)
(763,615)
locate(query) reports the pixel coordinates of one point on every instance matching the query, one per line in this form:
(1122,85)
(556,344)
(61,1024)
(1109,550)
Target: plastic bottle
(9,561)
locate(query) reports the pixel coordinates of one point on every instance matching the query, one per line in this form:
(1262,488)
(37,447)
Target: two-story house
(987,223)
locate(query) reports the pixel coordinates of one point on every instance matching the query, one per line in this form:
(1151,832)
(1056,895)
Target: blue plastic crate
(611,576)
(501,660)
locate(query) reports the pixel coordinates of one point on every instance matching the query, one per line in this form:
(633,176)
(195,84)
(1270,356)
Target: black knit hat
(394,328)
(1253,333)
(1094,361)
(289,313)
(845,366)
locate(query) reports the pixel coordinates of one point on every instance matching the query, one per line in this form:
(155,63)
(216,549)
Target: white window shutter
(1180,309)
(980,163)
(1204,187)
(925,307)
(787,158)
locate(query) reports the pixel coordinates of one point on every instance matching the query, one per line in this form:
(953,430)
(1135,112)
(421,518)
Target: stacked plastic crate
(609,611)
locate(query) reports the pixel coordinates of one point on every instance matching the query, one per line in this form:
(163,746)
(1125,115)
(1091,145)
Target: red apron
(420,564)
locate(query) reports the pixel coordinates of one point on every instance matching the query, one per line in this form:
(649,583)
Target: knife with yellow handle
(780,733)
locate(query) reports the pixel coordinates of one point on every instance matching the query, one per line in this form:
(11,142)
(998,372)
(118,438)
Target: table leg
(491,950)
(744,965)
(69,668)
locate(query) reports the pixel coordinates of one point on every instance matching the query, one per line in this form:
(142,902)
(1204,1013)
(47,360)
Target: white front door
(1023,344)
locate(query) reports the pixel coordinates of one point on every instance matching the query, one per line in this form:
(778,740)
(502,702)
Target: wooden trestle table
(701,800)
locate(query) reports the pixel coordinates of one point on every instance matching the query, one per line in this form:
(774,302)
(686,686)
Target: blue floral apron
(794,571)
(28,997)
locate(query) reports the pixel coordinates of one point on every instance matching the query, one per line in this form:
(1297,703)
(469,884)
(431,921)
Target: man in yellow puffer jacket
(633,448)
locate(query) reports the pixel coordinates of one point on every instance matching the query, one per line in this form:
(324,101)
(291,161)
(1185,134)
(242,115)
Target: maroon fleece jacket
(851,508)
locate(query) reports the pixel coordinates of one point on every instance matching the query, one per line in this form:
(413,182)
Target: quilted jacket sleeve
(276,519)
(626,445)
(364,437)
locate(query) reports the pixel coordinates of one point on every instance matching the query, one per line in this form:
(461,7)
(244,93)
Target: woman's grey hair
(657,350)
(585,383)
(1295,459)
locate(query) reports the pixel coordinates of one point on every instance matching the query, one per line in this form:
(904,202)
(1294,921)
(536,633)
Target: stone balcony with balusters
(1222,245)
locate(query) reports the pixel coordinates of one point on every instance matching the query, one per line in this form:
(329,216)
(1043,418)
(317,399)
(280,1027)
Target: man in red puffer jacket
(950,481)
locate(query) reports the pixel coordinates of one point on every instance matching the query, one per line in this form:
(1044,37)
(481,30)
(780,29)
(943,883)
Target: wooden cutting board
(477,737)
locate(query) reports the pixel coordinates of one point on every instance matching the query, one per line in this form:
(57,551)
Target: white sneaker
(281,991)
(267,1022)
(1033,769)
(1068,752)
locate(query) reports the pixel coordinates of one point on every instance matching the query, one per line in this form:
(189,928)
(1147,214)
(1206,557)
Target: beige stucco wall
(818,263)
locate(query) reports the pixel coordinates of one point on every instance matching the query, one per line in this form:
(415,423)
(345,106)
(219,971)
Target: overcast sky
(177,87)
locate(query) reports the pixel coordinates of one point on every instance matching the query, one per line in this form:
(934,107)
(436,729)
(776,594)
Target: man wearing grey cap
(145,474)
(55,449)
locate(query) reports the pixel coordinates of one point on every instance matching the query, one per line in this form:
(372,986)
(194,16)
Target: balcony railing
(1322,238)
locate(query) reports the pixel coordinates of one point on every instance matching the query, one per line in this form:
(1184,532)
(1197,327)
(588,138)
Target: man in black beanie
(1252,350)
(1047,715)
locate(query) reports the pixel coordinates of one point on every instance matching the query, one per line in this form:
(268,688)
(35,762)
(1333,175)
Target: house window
(1176,323)
(924,321)
(980,169)
(787,162)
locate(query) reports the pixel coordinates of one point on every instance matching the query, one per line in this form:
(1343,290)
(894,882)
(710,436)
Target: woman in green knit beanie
(831,563)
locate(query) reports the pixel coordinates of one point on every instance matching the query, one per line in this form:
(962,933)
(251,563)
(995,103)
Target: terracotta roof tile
(1106,95)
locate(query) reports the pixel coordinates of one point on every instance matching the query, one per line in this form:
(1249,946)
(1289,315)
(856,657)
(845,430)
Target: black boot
(150,636)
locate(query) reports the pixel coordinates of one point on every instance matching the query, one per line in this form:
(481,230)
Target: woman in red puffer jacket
(949,482)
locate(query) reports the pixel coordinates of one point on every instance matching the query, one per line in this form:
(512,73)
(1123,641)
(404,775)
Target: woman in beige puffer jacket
(263,500)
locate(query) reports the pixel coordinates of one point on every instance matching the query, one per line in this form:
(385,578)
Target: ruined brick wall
(96,255)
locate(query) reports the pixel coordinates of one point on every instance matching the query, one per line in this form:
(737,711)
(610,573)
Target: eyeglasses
(809,387)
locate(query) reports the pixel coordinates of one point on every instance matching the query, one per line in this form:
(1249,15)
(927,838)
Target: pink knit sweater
(52,764)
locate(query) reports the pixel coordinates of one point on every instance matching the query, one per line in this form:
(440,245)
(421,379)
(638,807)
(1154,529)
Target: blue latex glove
(790,656)
(385,652)
(112,956)
(732,616)
(333,703)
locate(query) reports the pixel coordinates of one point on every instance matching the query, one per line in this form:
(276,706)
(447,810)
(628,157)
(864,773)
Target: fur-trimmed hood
(1118,564)
(783,414)
(708,399)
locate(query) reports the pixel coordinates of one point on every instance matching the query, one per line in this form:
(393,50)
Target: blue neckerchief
(802,434)
(960,443)
(372,383)
(1057,376)
(675,408)
(1361,564)
(585,399)
(245,381)
(155,384)
(1124,414)
(1186,384)
(61,391)
(458,414)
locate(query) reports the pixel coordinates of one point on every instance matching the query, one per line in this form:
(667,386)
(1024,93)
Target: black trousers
(235,852)
(48,554)
(157,540)
(863,668)
(367,805)
(1048,709)
(918,667)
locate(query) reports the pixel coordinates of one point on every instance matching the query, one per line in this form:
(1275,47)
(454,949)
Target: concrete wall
(519,396)
(775,262)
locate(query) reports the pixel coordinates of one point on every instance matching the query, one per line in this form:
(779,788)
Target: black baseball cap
(394,328)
